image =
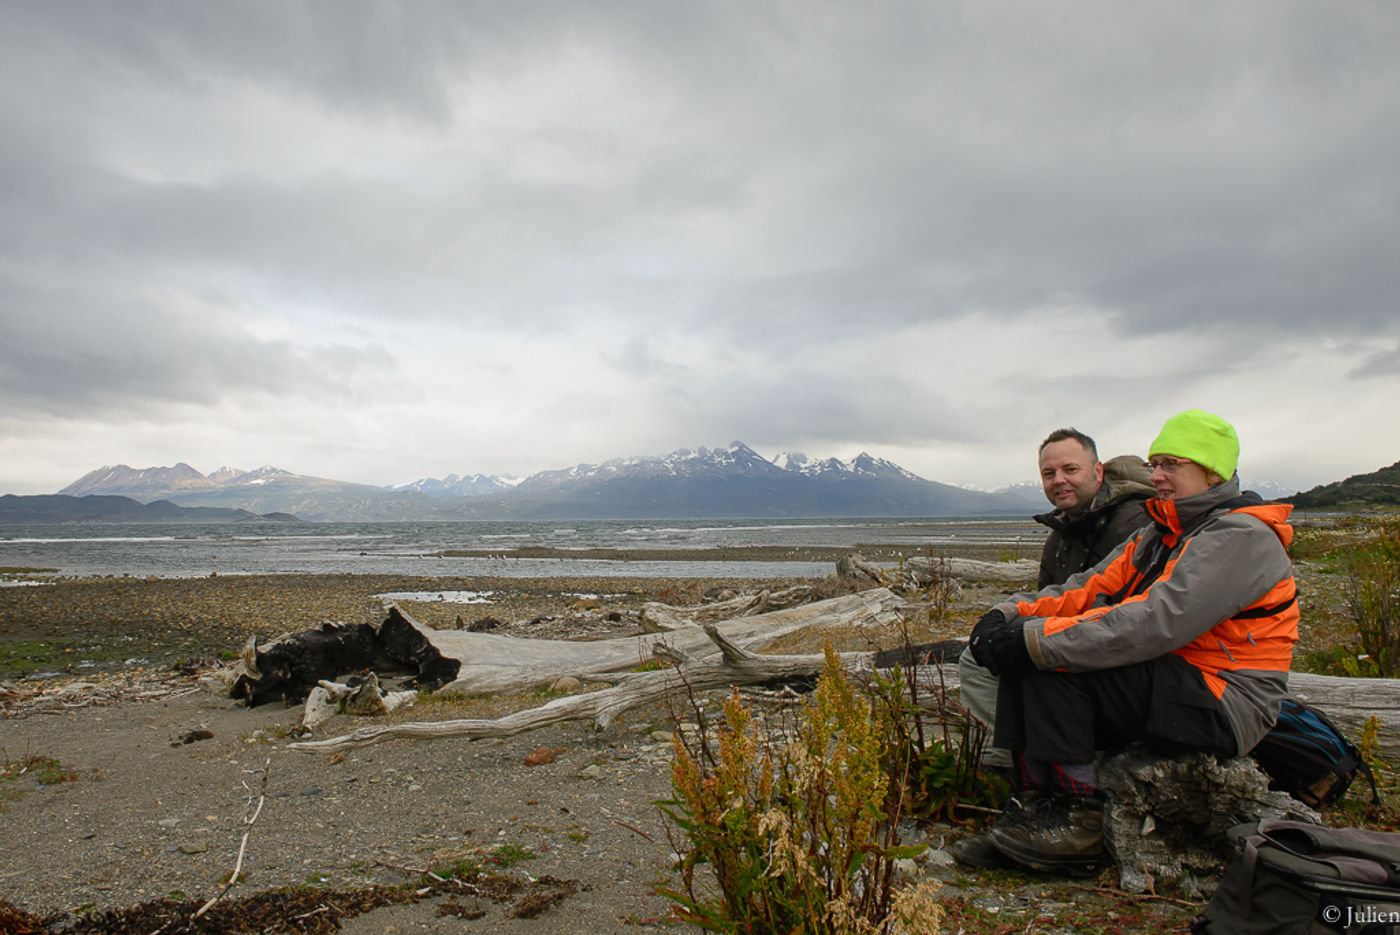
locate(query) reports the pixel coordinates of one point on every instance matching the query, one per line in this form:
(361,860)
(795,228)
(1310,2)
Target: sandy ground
(147,816)
(158,776)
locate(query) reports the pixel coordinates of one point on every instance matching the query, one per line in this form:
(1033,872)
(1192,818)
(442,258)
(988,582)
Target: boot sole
(994,861)
(1073,866)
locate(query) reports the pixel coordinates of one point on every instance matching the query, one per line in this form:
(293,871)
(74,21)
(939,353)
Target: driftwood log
(360,695)
(1352,702)
(858,567)
(922,571)
(658,617)
(1166,817)
(1349,702)
(732,665)
(459,661)
(501,663)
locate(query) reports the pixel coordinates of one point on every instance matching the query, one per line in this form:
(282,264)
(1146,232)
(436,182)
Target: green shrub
(1373,599)
(508,855)
(46,770)
(800,835)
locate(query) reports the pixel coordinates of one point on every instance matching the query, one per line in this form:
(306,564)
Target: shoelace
(1020,812)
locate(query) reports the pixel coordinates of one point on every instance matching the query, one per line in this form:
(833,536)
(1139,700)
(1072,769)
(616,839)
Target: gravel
(159,775)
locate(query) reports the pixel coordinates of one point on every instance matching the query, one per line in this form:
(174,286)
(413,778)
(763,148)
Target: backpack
(1305,755)
(1294,878)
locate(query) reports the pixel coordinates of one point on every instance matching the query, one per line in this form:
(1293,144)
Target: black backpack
(1292,878)
(1305,755)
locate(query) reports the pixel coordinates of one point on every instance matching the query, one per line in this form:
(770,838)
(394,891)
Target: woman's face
(1175,478)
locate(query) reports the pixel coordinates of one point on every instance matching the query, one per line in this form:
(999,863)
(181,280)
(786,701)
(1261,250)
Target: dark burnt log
(920,654)
(288,668)
(406,644)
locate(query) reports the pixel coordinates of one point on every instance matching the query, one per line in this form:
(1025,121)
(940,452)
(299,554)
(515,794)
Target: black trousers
(1063,717)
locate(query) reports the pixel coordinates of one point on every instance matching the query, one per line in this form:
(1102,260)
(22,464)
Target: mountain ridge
(1378,488)
(734,481)
(111,508)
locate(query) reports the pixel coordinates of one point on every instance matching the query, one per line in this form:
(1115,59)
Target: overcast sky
(383,241)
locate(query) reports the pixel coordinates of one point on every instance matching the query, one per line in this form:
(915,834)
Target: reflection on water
(449,597)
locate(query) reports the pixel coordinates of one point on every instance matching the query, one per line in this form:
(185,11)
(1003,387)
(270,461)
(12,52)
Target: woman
(1181,639)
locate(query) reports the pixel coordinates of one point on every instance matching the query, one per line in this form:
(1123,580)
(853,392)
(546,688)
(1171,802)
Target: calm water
(196,550)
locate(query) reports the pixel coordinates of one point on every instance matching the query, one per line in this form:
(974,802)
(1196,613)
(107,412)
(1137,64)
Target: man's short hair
(1060,435)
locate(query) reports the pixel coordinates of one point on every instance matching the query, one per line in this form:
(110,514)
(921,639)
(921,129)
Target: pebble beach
(99,679)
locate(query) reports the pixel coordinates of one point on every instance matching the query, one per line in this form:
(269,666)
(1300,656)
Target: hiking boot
(1022,807)
(1066,837)
(979,851)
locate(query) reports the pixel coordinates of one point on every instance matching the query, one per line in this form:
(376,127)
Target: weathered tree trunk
(658,617)
(921,571)
(462,661)
(1166,817)
(502,663)
(732,666)
(856,566)
(1336,696)
(1352,702)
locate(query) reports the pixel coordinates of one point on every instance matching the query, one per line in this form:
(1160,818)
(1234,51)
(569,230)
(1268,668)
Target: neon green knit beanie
(1203,437)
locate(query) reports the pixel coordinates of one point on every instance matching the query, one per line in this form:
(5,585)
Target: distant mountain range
(706,483)
(1380,488)
(98,508)
(732,482)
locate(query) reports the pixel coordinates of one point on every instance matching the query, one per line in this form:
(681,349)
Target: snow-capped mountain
(266,489)
(472,485)
(734,481)
(738,460)
(862,463)
(1268,489)
(123,481)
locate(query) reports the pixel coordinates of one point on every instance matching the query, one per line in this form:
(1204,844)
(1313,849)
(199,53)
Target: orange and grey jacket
(1209,580)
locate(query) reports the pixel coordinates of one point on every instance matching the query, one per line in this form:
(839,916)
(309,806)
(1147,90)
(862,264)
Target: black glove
(980,641)
(999,645)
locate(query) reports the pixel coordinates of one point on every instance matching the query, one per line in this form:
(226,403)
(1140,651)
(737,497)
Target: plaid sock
(1031,774)
(1076,779)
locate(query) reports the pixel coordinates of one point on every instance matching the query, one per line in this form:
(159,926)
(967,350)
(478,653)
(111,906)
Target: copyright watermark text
(1347,916)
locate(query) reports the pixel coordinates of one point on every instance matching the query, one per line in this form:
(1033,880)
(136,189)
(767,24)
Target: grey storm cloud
(74,353)
(767,177)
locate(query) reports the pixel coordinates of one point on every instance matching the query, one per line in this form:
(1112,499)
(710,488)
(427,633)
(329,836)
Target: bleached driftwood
(921,570)
(490,662)
(857,566)
(658,617)
(1166,817)
(1348,701)
(1352,702)
(289,669)
(732,665)
(358,695)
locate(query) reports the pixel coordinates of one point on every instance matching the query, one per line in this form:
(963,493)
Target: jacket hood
(1126,476)
(1275,516)
(1185,513)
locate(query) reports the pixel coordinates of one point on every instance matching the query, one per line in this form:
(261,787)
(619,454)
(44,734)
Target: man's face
(1070,476)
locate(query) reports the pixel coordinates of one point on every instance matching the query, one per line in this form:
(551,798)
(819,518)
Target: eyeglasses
(1167,465)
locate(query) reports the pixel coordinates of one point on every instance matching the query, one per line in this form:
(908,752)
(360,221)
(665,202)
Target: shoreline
(77,626)
(156,770)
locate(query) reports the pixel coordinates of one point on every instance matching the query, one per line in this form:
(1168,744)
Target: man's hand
(999,645)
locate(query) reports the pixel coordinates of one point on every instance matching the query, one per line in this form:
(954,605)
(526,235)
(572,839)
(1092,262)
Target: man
(1181,639)
(1097,506)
